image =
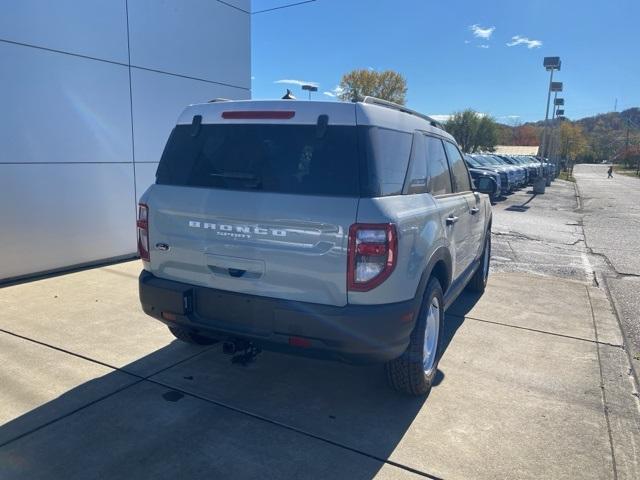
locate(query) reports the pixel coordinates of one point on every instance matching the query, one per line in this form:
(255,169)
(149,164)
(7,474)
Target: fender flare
(440,254)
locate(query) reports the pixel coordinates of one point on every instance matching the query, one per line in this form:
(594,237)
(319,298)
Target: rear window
(298,159)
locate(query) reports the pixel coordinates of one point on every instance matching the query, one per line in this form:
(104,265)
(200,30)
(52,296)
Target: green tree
(387,85)
(472,131)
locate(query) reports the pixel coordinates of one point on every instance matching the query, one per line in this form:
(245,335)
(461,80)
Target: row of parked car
(508,172)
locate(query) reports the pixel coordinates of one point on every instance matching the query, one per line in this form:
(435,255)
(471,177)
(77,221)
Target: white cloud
(480,32)
(297,82)
(337,90)
(511,118)
(484,45)
(440,118)
(467,41)
(519,40)
(443,118)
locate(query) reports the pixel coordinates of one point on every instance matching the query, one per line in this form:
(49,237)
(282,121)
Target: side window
(458,168)
(417,176)
(439,176)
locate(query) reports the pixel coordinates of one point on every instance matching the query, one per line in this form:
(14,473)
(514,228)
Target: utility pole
(626,143)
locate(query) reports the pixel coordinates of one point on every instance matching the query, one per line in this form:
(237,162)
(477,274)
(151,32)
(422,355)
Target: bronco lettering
(241,229)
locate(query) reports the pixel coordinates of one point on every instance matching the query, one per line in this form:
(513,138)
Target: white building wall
(90,91)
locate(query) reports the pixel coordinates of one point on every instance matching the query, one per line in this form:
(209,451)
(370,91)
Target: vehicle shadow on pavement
(463,304)
(273,418)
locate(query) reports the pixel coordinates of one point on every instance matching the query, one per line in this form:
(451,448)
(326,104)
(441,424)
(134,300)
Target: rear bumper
(353,333)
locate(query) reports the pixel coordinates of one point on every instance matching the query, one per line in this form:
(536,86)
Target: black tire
(406,373)
(479,280)
(193,338)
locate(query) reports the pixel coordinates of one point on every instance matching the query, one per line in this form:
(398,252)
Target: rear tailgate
(257,205)
(249,242)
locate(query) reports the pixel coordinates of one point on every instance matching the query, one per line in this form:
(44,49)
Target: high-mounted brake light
(372,255)
(258,115)
(143,232)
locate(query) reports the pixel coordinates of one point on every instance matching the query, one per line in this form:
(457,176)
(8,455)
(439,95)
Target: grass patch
(620,170)
(565,175)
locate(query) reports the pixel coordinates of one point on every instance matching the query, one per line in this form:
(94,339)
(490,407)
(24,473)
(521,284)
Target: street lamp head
(556,86)
(551,63)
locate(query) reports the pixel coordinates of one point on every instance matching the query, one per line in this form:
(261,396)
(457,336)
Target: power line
(283,6)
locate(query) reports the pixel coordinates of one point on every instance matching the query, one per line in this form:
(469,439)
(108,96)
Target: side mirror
(484,185)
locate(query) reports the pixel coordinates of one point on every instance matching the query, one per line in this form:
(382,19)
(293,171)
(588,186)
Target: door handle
(451,219)
(474,210)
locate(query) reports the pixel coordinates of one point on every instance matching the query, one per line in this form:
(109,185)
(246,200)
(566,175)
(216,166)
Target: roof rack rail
(402,108)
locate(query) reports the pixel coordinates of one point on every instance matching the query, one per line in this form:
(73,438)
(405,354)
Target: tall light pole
(310,88)
(554,87)
(550,64)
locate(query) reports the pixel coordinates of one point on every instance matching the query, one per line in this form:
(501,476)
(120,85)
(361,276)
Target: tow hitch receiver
(243,352)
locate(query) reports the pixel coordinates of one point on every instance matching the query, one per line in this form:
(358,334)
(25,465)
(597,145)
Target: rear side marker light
(372,255)
(407,317)
(168,316)
(299,342)
(143,232)
(258,115)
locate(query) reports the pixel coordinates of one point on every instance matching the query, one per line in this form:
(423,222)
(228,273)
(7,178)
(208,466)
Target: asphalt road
(541,234)
(610,210)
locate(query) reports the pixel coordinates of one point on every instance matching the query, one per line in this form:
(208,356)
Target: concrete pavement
(610,209)
(533,383)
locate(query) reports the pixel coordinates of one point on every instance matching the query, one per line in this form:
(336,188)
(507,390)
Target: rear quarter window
(386,158)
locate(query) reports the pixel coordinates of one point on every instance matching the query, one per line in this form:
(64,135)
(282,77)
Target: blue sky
(450,65)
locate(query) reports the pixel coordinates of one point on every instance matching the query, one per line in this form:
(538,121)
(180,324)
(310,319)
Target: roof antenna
(289,95)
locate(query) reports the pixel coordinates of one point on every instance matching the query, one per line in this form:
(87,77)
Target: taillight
(372,255)
(143,232)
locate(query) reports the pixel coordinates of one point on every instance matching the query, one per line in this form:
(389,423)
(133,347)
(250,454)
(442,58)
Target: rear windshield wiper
(251,181)
(235,175)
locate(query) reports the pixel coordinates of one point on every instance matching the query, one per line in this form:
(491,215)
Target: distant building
(90,92)
(516,150)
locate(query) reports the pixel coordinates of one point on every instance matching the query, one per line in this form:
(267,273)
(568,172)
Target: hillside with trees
(597,138)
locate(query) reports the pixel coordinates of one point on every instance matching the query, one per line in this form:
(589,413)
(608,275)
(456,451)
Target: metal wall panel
(56,216)
(61,108)
(145,176)
(159,99)
(96,28)
(68,186)
(241,4)
(200,38)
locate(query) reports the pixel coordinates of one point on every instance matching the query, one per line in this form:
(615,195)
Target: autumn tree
(472,131)
(387,85)
(572,141)
(526,135)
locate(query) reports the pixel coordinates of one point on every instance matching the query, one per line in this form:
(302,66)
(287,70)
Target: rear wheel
(414,371)
(479,280)
(189,336)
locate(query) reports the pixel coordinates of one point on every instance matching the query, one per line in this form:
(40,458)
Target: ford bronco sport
(336,230)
